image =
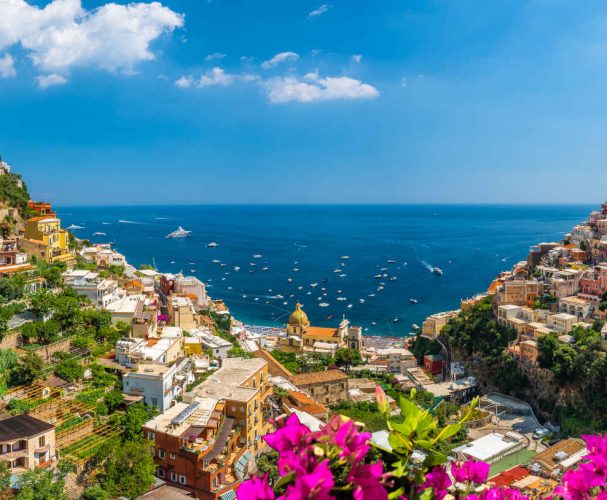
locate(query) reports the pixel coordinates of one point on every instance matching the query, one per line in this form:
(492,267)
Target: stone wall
(46,352)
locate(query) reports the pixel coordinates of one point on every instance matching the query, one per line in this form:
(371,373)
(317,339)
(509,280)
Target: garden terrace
(84,449)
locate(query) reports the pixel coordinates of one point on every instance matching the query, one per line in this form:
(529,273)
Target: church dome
(298,317)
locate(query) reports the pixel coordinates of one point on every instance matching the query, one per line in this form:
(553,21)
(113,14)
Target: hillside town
(136,383)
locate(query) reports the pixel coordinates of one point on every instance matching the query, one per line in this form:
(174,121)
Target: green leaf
(447,432)
(396,493)
(435,459)
(284,481)
(399,443)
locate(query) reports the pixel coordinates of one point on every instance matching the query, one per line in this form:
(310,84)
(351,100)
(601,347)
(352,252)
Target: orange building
(41,208)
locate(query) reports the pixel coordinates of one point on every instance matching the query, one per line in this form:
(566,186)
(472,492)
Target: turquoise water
(470,243)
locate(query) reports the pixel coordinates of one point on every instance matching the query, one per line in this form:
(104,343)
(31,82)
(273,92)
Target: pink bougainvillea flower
(290,436)
(471,471)
(346,436)
(315,485)
(439,481)
(367,481)
(256,488)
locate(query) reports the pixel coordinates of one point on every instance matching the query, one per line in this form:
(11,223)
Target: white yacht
(438,271)
(74,227)
(179,233)
(212,244)
(99,234)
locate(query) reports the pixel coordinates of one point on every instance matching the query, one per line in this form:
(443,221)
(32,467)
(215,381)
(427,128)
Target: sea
(328,257)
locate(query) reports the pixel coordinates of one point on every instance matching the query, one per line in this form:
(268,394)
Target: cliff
(13,202)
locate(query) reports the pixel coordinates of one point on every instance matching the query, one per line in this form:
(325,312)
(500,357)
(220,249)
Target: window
(173,476)
(160,472)
(150,435)
(41,441)
(154,402)
(161,453)
(181,479)
(172,456)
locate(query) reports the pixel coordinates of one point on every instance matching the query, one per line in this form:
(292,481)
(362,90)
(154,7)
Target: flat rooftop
(169,423)
(489,446)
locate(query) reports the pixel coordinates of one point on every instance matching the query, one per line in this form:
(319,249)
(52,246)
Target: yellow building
(45,240)
(301,336)
(243,385)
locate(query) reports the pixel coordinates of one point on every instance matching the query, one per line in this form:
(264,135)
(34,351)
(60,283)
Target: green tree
(42,302)
(348,357)
(95,493)
(131,422)
(40,484)
(70,370)
(128,468)
(113,400)
(30,368)
(546,346)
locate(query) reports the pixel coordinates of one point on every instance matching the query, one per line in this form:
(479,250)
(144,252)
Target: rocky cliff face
(13,204)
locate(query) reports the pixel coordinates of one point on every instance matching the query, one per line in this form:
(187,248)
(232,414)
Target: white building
(159,384)
(219,346)
(193,288)
(100,291)
(576,306)
(167,348)
(399,359)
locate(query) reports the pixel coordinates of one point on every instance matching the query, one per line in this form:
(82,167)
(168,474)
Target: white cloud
(184,82)
(280,58)
(357,58)
(320,11)
(47,81)
(63,34)
(7,67)
(214,57)
(311,88)
(216,76)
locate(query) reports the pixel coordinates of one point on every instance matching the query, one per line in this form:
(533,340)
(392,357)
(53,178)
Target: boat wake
(427,265)
(122,221)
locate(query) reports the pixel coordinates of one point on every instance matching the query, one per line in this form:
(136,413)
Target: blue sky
(301,101)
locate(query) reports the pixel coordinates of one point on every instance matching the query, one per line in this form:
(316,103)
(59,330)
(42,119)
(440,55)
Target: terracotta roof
(275,367)
(305,403)
(42,217)
(509,476)
(319,377)
(319,331)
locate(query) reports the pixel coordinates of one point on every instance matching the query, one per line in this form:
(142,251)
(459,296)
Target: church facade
(303,337)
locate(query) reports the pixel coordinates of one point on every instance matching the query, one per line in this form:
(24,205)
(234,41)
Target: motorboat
(212,244)
(413,301)
(391,261)
(323,304)
(377,276)
(345,257)
(257,256)
(438,271)
(289,280)
(98,234)
(415,327)
(179,233)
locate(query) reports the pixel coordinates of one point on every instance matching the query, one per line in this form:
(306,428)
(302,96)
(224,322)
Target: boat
(337,270)
(257,256)
(393,278)
(380,288)
(391,261)
(313,285)
(330,316)
(295,270)
(373,323)
(215,261)
(212,244)
(342,298)
(236,268)
(99,234)
(395,320)
(343,275)
(438,271)
(264,268)
(371,295)
(414,326)
(179,233)
(345,257)
(323,304)
(413,301)
(289,280)
(338,291)
(300,287)
(377,276)
(74,227)
(362,301)
(349,306)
